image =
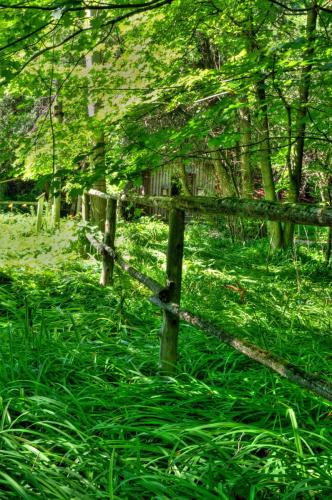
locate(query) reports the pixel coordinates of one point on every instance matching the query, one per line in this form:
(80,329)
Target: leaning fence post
(170,327)
(109,237)
(40,210)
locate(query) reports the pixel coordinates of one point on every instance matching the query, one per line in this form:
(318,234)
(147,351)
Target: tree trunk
(328,247)
(223,174)
(245,141)
(97,205)
(184,180)
(300,124)
(275,229)
(56,202)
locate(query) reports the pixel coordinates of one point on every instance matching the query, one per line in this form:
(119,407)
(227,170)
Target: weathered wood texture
(109,237)
(27,203)
(170,327)
(298,213)
(200,179)
(287,370)
(284,368)
(256,209)
(100,194)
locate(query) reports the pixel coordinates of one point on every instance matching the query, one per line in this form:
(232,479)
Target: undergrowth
(84,413)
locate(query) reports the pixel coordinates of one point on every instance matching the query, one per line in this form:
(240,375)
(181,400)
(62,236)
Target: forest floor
(84,414)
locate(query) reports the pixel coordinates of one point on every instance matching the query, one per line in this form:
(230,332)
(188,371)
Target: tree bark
(56,202)
(245,141)
(295,176)
(223,174)
(97,205)
(275,229)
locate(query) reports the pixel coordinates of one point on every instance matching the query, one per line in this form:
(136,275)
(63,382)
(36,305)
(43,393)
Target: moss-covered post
(109,237)
(170,327)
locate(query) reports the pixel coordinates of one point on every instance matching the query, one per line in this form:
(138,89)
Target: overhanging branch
(63,8)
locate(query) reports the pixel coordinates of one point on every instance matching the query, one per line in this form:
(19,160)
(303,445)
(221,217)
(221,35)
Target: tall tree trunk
(263,126)
(301,116)
(98,205)
(56,202)
(245,141)
(275,228)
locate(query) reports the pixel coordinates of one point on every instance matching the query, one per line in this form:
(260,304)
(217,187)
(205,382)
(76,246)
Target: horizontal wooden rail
(104,196)
(291,372)
(27,203)
(298,213)
(150,283)
(284,368)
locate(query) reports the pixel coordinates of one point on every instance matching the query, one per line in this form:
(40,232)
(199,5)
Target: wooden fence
(167,296)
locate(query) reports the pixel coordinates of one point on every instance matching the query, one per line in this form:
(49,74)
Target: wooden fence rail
(298,213)
(22,203)
(167,297)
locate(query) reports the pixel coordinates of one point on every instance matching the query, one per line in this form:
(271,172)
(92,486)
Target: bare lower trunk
(223,174)
(56,203)
(300,125)
(275,229)
(245,141)
(329,247)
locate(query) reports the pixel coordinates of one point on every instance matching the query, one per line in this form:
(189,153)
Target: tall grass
(83,413)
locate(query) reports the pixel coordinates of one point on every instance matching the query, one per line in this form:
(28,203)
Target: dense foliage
(245,87)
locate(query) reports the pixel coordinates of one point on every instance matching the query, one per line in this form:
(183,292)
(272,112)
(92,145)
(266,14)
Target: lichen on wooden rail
(27,203)
(100,194)
(297,213)
(287,370)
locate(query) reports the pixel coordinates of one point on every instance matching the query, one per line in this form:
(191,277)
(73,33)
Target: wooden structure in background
(165,181)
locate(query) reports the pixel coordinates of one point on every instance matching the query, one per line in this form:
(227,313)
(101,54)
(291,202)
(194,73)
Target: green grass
(84,414)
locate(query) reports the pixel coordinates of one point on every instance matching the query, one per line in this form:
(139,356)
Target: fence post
(40,210)
(170,327)
(109,237)
(85,207)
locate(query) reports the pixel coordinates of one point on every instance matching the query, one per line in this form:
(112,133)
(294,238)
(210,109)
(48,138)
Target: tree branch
(297,10)
(25,37)
(52,8)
